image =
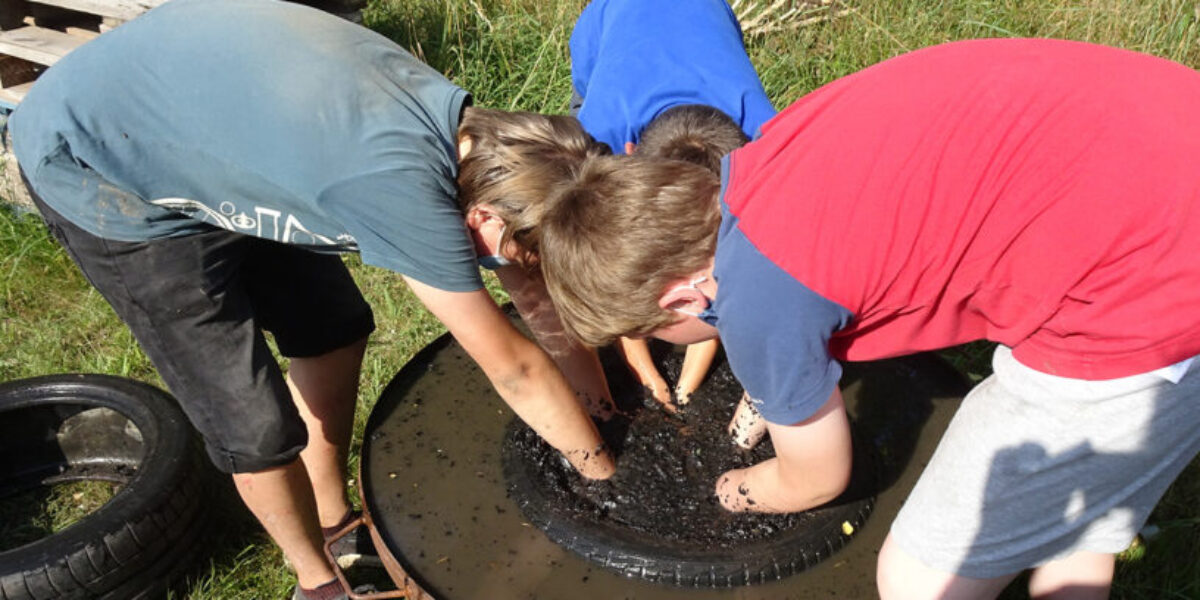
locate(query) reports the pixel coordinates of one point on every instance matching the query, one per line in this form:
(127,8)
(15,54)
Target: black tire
(814,535)
(636,554)
(65,428)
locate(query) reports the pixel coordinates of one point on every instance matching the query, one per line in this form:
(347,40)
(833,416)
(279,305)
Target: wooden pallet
(34,35)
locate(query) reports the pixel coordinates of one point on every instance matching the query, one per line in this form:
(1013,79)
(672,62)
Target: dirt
(667,464)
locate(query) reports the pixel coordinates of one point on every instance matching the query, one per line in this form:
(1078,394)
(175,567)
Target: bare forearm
(541,397)
(811,465)
(523,374)
(696,363)
(578,364)
(766,487)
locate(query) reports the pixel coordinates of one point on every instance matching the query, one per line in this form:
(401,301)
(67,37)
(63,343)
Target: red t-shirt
(1039,193)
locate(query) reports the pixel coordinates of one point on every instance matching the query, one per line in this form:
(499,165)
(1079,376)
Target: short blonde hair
(614,239)
(516,160)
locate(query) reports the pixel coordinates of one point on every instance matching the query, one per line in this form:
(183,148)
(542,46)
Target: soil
(667,464)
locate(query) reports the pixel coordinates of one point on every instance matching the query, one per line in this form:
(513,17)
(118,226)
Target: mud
(667,465)
(432,481)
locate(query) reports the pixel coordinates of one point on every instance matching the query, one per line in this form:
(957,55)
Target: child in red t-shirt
(1037,193)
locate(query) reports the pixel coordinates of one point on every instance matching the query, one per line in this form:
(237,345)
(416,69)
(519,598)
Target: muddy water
(432,480)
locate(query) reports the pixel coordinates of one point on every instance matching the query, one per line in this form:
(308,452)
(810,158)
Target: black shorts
(199,304)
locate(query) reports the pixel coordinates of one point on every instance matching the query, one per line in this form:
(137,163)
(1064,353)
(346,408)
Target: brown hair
(696,133)
(614,239)
(516,160)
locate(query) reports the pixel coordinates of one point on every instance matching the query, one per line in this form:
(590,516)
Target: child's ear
(476,216)
(630,147)
(465,143)
(683,296)
(480,214)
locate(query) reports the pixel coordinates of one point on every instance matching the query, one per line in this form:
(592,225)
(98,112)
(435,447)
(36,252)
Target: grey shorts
(1035,467)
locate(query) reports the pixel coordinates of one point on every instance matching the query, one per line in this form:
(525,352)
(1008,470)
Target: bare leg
(1080,576)
(637,356)
(900,575)
(696,362)
(325,390)
(282,500)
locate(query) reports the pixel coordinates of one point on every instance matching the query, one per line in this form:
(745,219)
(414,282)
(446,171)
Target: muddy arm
(747,426)
(696,363)
(579,364)
(522,373)
(811,466)
(637,357)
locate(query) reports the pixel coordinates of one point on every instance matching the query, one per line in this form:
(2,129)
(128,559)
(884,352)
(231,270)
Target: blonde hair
(516,160)
(615,238)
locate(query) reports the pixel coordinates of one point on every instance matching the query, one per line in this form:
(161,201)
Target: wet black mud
(667,465)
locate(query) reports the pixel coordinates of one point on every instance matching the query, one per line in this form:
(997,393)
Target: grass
(512,54)
(37,513)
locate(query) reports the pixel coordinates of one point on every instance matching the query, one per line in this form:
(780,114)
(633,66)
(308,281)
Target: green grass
(37,513)
(512,54)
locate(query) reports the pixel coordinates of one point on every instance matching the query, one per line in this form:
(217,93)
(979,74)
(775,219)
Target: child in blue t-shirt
(666,78)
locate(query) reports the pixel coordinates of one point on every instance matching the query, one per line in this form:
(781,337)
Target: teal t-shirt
(258,116)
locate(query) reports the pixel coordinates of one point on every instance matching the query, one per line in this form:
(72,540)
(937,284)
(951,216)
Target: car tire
(65,428)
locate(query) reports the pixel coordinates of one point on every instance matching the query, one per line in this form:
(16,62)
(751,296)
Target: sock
(326,532)
(331,590)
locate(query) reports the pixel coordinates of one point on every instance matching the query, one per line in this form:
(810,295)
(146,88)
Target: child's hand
(592,464)
(696,363)
(661,394)
(598,408)
(754,489)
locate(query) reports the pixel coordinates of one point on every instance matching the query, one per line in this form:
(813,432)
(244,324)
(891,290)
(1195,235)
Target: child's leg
(637,357)
(324,333)
(696,362)
(1080,576)
(325,390)
(900,575)
(1036,469)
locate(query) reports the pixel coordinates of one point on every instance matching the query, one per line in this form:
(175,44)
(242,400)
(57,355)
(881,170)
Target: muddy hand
(662,395)
(754,489)
(598,407)
(696,362)
(747,426)
(596,463)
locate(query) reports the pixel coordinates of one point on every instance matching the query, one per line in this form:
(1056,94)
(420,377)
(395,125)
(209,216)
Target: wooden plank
(82,33)
(37,44)
(120,9)
(12,96)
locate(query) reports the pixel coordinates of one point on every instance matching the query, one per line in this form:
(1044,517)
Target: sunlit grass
(512,54)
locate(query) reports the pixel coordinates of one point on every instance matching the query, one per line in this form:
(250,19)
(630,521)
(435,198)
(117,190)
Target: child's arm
(637,357)
(811,466)
(579,364)
(696,362)
(522,374)
(747,427)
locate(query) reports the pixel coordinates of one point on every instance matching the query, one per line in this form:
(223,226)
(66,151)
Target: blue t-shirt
(775,330)
(633,59)
(262,117)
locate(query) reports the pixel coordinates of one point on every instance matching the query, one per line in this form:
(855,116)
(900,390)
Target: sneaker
(330,591)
